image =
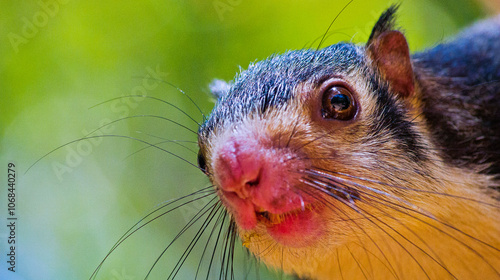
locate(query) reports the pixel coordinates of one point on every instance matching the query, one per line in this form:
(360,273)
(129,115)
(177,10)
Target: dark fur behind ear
(385,23)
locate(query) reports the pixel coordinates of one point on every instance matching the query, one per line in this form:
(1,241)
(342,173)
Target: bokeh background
(58,59)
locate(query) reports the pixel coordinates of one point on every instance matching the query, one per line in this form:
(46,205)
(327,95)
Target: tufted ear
(219,88)
(389,52)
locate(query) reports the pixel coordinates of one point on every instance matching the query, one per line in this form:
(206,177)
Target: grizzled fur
(459,83)
(269,83)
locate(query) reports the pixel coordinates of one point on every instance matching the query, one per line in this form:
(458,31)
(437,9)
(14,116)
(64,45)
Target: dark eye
(338,103)
(202,164)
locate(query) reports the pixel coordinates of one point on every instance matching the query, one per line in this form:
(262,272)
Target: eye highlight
(338,103)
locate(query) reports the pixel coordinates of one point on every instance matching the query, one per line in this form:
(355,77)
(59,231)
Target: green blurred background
(60,58)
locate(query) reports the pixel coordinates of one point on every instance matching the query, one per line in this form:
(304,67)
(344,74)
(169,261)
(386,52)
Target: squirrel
(365,162)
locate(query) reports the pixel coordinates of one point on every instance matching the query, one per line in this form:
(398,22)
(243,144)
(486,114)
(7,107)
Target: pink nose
(254,177)
(239,167)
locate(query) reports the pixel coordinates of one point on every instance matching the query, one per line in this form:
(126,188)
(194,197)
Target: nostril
(238,168)
(254,180)
(253,183)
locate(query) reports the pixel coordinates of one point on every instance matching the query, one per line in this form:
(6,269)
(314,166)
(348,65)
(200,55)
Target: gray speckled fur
(459,80)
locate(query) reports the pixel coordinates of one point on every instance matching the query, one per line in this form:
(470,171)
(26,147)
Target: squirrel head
(294,133)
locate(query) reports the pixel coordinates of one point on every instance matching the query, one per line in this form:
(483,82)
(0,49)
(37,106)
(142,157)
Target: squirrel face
(289,119)
(316,150)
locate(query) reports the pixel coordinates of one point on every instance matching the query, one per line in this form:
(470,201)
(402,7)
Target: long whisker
(216,243)
(392,237)
(440,262)
(338,262)
(233,241)
(446,233)
(219,220)
(215,209)
(357,262)
(325,175)
(398,208)
(330,33)
(406,188)
(150,97)
(193,220)
(422,213)
(176,142)
(226,250)
(136,226)
(314,183)
(162,138)
(333,21)
(377,199)
(143,116)
(109,135)
(181,91)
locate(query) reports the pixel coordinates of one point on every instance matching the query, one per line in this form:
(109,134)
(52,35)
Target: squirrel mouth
(295,228)
(269,219)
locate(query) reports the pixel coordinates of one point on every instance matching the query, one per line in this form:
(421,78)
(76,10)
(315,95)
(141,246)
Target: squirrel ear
(389,52)
(219,88)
